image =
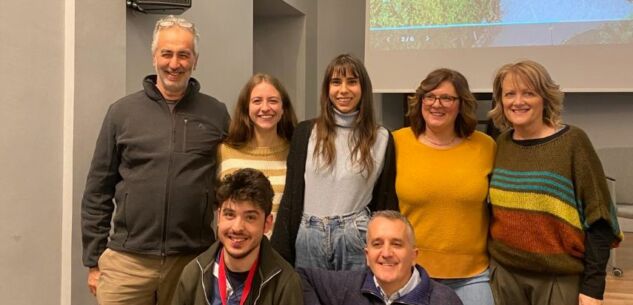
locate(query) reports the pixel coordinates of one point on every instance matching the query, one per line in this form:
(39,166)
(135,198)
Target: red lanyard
(222,280)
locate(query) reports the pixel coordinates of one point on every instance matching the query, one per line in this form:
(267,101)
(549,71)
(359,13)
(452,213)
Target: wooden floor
(619,290)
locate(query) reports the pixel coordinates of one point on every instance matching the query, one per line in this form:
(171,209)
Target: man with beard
(155,162)
(241,267)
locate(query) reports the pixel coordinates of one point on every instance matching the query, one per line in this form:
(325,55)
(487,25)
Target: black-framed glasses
(445,100)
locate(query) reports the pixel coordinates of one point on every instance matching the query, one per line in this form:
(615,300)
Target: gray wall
(225,47)
(297,47)
(53,108)
(310,40)
(98,80)
(341,29)
(31,122)
(119,69)
(279,50)
(606,117)
(53,111)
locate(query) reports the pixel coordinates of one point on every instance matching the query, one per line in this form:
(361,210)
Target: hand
(93,279)
(587,300)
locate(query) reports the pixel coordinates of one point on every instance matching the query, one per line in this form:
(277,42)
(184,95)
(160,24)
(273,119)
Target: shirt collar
(414,280)
(416,294)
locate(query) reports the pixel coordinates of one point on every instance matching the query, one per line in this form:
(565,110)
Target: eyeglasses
(168,22)
(445,100)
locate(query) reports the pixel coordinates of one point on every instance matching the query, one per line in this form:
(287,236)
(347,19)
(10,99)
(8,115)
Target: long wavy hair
(242,129)
(364,127)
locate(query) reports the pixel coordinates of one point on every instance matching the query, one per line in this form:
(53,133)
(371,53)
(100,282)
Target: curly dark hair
(246,184)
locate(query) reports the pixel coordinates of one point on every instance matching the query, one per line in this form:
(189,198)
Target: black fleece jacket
(159,167)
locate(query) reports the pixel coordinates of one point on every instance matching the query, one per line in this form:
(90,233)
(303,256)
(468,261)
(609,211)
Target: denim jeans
(473,290)
(332,243)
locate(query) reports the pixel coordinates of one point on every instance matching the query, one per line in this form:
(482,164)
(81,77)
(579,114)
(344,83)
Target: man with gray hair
(391,277)
(155,161)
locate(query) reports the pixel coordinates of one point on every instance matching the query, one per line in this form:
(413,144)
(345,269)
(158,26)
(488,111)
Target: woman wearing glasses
(442,169)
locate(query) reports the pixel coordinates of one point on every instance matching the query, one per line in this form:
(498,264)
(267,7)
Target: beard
(179,85)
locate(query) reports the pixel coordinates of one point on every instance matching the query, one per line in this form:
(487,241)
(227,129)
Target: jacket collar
(420,295)
(268,265)
(149,86)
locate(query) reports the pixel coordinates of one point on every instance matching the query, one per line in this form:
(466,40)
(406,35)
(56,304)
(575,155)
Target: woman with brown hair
(443,166)
(260,133)
(340,167)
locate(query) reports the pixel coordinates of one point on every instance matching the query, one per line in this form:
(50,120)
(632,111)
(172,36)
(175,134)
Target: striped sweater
(544,196)
(269,160)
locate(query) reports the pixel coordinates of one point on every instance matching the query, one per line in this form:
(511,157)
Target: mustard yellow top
(443,193)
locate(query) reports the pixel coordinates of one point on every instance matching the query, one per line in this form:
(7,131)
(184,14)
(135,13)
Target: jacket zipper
(263,284)
(204,288)
(168,182)
(383,300)
(184,140)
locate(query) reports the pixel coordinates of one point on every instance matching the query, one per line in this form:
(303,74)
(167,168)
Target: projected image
(438,24)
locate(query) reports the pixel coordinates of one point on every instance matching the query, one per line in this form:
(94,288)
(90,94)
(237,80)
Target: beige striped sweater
(269,160)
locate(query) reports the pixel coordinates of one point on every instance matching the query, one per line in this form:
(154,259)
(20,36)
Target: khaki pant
(511,287)
(132,279)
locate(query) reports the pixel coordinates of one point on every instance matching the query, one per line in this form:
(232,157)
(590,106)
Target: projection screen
(587,45)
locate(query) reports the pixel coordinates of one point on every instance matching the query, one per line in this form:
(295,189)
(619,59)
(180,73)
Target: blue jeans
(332,243)
(473,290)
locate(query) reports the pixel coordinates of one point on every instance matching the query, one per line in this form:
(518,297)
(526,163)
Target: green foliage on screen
(390,13)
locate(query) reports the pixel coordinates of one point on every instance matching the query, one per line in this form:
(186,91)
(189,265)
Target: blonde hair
(534,76)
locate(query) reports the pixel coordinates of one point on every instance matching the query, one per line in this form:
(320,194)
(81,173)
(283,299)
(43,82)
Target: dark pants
(512,287)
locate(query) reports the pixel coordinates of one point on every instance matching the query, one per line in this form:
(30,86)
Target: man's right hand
(93,279)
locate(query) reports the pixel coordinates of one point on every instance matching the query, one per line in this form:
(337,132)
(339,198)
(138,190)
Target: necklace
(437,143)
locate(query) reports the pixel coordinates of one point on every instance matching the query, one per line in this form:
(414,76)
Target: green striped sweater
(544,196)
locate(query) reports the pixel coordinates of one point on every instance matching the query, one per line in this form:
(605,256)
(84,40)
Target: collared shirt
(414,280)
